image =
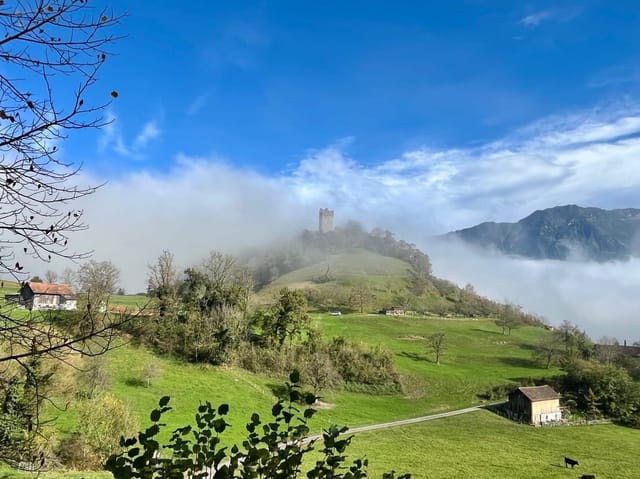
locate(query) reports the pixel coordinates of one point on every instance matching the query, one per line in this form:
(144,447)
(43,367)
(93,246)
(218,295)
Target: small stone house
(394,311)
(39,296)
(537,405)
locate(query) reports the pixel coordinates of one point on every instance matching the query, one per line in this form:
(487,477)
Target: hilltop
(562,232)
(350,269)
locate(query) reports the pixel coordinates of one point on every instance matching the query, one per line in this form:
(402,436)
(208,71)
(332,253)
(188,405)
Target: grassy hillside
(358,264)
(477,358)
(335,276)
(482,445)
(129,300)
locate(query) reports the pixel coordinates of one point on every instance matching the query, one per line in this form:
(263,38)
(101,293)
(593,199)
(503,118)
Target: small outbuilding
(393,311)
(537,405)
(39,296)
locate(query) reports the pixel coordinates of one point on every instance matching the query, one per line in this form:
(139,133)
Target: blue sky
(261,83)
(236,121)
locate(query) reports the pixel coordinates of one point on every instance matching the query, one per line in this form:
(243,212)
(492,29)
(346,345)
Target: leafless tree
(509,317)
(607,349)
(436,344)
(220,268)
(50,276)
(98,280)
(51,51)
(163,276)
(548,350)
(360,296)
(163,282)
(51,54)
(69,277)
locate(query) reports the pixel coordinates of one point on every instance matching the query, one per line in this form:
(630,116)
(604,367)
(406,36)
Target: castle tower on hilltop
(325,220)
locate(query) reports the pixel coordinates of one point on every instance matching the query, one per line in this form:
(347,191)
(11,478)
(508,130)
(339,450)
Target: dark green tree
(548,350)
(287,318)
(576,344)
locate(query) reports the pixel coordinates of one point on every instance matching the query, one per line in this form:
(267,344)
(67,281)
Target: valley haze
(206,202)
(600,297)
(490,130)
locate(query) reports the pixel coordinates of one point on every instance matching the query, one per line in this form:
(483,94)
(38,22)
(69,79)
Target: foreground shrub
(364,367)
(101,422)
(273,449)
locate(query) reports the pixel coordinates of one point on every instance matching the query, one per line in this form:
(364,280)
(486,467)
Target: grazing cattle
(588,476)
(570,462)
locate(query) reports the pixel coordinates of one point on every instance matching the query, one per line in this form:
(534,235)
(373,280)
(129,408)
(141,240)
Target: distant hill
(349,269)
(563,232)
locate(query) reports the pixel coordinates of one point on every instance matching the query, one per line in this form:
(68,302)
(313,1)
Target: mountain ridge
(562,233)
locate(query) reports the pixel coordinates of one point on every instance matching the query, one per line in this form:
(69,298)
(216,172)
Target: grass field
(481,445)
(477,357)
(129,300)
(382,274)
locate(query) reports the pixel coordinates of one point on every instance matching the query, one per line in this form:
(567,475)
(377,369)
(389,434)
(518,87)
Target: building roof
(48,288)
(539,393)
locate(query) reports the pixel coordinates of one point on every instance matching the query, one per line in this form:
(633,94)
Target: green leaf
(223,409)
(155,415)
(294,377)
(276,409)
(133,452)
(164,400)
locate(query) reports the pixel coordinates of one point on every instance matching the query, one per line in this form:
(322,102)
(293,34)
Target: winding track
(403,422)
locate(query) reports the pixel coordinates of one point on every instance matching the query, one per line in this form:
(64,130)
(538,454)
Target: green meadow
(481,445)
(476,358)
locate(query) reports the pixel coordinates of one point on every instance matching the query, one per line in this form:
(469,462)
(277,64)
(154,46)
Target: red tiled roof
(539,393)
(47,288)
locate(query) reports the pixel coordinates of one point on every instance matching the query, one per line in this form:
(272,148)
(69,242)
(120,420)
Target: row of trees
(205,314)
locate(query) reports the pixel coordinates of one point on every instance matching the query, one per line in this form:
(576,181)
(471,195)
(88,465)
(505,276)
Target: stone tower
(325,220)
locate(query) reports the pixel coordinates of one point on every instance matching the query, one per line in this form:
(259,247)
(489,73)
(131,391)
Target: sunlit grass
(481,445)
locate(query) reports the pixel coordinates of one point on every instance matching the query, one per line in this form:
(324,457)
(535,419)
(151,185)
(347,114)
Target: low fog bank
(193,209)
(601,298)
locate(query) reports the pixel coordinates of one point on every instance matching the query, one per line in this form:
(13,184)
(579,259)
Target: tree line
(206,313)
(599,380)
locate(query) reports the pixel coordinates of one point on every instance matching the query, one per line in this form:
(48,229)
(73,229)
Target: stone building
(325,220)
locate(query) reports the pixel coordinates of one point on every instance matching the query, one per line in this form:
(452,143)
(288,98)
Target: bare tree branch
(52,52)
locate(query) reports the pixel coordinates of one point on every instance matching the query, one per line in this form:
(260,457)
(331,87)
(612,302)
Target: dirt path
(404,422)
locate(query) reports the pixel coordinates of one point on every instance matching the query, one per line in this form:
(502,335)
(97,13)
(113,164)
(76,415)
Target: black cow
(588,476)
(570,462)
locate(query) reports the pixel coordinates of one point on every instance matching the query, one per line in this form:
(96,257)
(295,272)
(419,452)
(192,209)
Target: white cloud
(600,298)
(112,138)
(150,131)
(556,14)
(534,19)
(589,158)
